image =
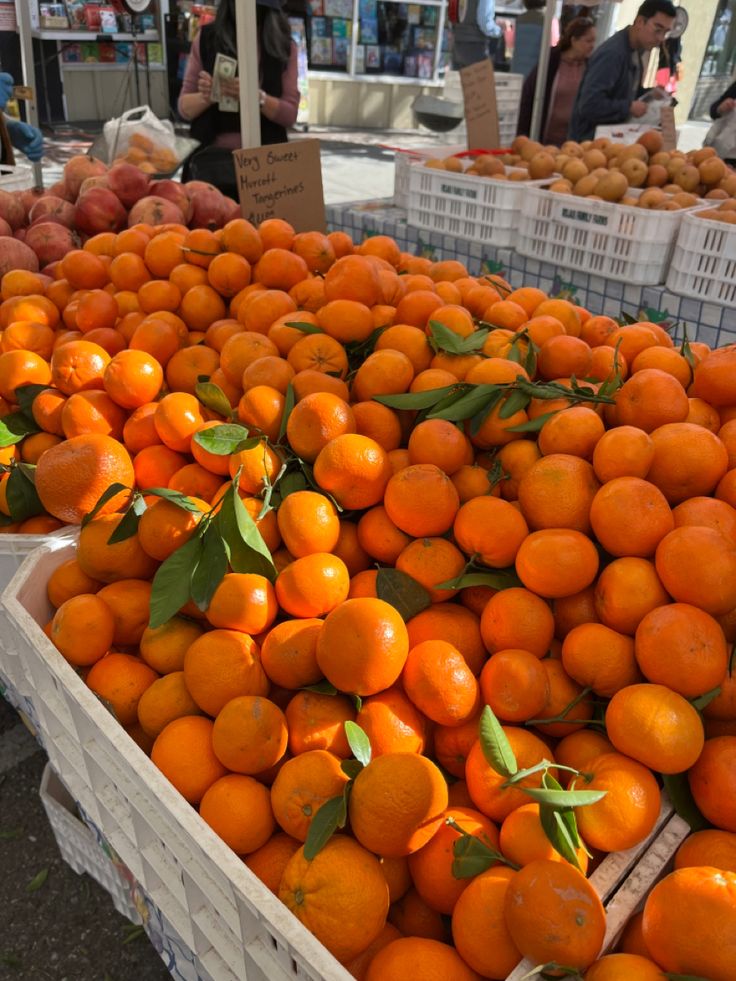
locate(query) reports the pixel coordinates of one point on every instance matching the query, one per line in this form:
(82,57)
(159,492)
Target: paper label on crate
(459,192)
(283,180)
(585,216)
(481,111)
(669,133)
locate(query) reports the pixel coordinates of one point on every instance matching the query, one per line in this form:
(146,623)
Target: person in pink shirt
(567,61)
(278,92)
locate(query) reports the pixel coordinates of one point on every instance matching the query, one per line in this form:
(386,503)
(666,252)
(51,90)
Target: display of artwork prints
(71,54)
(93,19)
(321,51)
(410,66)
(372,56)
(425,65)
(423,38)
(75,13)
(392,61)
(340,47)
(369,31)
(338,8)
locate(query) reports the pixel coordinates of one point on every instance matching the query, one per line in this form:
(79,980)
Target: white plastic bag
(139,133)
(722,136)
(652,118)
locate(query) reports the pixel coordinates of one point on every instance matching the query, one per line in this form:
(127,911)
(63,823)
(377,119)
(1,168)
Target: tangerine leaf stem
(544,765)
(562,717)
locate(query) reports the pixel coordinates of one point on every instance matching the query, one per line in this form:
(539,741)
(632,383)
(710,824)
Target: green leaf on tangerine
(331,816)
(495,744)
(402,592)
(359,742)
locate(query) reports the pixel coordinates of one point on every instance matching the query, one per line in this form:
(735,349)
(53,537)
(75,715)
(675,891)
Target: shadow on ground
(56,925)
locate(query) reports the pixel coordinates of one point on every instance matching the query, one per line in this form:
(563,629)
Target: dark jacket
(610,83)
(211,122)
(527,95)
(730,93)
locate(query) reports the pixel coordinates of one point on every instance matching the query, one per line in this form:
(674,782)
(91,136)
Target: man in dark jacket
(612,87)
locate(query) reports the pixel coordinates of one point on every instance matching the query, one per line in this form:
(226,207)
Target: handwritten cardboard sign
(669,133)
(282,180)
(481,112)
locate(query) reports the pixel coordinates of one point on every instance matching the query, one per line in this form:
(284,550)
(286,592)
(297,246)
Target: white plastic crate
(15,684)
(79,847)
(210,918)
(233,927)
(405,159)
(703,264)
(466,206)
(85,849)
(598,237)
(19,178)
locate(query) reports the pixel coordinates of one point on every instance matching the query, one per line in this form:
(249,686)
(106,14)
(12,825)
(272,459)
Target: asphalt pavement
(55,925)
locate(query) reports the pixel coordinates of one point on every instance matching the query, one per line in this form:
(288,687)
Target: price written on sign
(481,111)
(283,180)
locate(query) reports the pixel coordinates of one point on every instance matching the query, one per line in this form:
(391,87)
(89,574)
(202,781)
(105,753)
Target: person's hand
(6,89)
(26,138)
(728,105)
(638,108)
(230,88)
(204,85)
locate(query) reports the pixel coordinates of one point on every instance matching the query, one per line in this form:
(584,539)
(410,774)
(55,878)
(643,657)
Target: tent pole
(541,87)
(246,33)
(23,16)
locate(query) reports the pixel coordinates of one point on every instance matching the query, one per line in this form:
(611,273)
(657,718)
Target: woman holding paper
(278,94)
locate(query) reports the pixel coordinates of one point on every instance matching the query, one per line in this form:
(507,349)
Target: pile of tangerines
(418,587)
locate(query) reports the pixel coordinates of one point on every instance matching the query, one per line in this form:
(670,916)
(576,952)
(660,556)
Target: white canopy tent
(250,113)
(23,17)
